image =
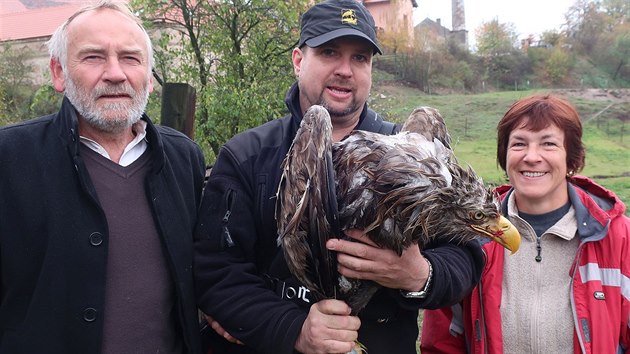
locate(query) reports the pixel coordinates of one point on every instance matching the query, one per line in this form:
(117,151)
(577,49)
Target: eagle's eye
(478,215)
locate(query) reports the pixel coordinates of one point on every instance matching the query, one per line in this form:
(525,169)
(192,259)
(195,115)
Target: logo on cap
(348,17)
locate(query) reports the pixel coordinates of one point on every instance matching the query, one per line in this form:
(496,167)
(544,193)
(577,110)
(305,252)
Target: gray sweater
(536,310)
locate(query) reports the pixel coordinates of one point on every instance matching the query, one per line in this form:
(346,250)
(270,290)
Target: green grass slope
(472,120)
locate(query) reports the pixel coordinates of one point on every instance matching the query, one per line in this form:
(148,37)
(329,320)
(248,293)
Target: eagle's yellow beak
(502,232)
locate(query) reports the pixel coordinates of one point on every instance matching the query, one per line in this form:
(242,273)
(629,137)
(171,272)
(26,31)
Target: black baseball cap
(337,18)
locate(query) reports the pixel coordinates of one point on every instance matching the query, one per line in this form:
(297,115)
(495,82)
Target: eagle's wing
(380,177)
(306,205)
(428,122)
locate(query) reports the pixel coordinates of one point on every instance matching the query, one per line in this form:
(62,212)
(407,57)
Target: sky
(528,16)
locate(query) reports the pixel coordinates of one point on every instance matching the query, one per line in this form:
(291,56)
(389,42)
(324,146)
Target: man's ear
(296,58)
(58,79)
(150,87)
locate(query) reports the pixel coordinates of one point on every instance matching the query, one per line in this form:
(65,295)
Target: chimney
(439,21)
(459,18)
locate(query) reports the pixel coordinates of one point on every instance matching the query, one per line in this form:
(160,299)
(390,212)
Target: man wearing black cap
(241,277)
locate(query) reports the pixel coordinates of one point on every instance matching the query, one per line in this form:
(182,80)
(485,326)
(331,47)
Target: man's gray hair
(58,42)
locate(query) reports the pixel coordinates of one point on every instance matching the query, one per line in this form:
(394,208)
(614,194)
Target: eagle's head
(466,210)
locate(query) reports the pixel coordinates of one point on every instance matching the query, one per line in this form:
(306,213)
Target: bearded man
(98,205)
(243,281)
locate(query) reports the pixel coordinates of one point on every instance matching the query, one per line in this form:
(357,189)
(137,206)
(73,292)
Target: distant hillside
(472,120)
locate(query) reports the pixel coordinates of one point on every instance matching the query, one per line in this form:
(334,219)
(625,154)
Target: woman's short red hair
(542,111)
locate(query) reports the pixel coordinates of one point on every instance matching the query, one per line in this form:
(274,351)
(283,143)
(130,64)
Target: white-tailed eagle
(402,190)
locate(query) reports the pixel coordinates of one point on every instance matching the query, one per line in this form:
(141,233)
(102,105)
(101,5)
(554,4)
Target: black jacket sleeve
(456,271)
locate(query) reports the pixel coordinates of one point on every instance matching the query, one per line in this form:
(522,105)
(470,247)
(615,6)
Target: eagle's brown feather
(402,190)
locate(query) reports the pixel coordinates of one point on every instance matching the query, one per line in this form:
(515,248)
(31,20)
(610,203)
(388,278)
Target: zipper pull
(539,249)
(227,238)
(226,217)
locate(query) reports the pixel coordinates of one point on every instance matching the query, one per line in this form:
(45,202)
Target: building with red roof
(28,24)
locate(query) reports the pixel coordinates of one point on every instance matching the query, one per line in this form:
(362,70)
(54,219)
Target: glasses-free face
(107,75)
(537,168)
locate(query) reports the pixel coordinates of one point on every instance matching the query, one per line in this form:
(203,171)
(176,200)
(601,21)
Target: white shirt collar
(132,152)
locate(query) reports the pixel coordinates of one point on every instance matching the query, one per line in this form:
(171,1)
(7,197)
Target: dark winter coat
(54,234)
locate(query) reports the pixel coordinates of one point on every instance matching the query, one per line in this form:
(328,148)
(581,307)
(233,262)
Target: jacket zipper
(578,322)
(227,238)
(482,325)
(262,187)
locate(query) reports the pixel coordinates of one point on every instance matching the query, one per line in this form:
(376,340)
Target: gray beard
(100,117)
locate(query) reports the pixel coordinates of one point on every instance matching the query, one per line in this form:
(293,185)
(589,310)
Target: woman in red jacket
(567,289)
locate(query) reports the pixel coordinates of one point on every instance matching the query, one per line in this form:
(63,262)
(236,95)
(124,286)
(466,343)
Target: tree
(495,38)
(15,86)
(497,45)
(20,98)
(4,117)
(617,38)
(45,100)
(557,66)
(618,10)
(586,22)
(600,31)
(236,53)
(551,38)
(621,51)
(396,37)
